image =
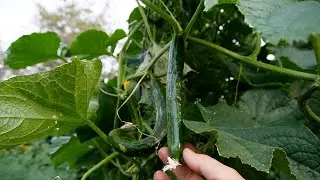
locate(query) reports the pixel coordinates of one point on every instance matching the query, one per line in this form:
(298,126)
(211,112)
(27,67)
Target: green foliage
(303,57)
(32,49)
(89,44)
(238,105)
(31,162)
(285,19)
(264,122)
(43,104)
(71,152)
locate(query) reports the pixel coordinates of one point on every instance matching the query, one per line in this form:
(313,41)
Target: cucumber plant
(231,77)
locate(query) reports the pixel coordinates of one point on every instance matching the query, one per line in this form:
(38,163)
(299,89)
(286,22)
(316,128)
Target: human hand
(196,166)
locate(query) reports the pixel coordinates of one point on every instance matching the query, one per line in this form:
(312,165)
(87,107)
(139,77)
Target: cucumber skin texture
(174,97)
(137,148)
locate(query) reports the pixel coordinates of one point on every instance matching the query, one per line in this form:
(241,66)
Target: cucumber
(136,148)
(174,97)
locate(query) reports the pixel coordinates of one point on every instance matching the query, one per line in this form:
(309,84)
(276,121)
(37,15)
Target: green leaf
(104,119)
(292,20)
(208,4)
(135,16)
(32,49)
(31,162)
(42,104)
(304,58)
(114,38)
(71,152)
(89,44)
(265,122)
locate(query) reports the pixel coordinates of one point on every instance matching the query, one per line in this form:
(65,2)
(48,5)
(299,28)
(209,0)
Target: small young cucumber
(136,148)
(174,97)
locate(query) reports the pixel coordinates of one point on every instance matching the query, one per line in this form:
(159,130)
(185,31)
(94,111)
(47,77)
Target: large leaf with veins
(265,124)
(38,105)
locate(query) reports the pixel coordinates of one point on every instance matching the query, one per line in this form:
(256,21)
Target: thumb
(209,167)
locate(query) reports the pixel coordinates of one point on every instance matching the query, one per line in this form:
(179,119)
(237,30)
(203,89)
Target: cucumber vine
(189,101)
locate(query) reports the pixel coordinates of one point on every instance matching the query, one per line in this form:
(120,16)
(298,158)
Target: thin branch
(316,47)
(257,47)
(170,19)
(107,93)
(97,130)
(258,64)
(121,69)
(136,115)
(194,18)
(145,19)
(97,166)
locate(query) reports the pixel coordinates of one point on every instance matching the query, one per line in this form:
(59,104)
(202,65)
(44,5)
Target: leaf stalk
(97,166)
(170,19)
(316,47)
(258,64)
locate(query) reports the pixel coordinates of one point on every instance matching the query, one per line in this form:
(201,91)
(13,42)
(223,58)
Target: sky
(17,17)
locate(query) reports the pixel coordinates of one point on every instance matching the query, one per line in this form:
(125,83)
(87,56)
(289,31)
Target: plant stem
(145,19)
(97,166)
(116,164)
(63,59)
(258,64)
(170,19)
(136,115)
(152,61)
(193,19)
(98,130)
(257,48)
(121,70)
(271,84)
(109,94)
(316,47)
(95,142)
(146,125)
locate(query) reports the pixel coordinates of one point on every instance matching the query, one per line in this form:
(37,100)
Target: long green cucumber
(136,148)
(174,97)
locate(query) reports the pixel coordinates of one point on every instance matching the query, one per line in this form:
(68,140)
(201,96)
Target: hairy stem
(147,127)
(97,166)
(194,18)
(258,64)
(145,19)
(121,70)
(107,93)
(97,130)
(136,115)
(170,19)
(257,48)
(316,47)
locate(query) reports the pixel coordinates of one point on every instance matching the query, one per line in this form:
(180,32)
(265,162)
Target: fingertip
(187,153)
(163,154)
(190,159)
(160,175)
(191,147)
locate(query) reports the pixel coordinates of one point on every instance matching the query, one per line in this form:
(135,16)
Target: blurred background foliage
(32,161)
